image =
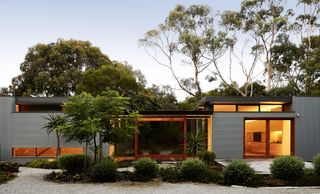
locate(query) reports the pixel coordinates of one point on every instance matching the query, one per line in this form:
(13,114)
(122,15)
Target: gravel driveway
(30,181)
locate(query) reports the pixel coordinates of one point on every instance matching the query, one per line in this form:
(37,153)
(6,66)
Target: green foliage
(309,178)
(43,163)
(289,168)
(170,174)
(61,63)
(316,163)
(55,124)
(192,170)
(73,163)
(10,167)
(195,142)
(145,169)
(237,172)
(6,176)
(207,157)
(90,116)
(105,171)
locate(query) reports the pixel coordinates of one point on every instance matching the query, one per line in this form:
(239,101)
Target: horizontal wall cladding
(27,131)
(227,131)
(6,107)
(307,126)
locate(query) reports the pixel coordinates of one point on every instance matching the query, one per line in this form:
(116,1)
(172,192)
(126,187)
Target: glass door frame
(268,119)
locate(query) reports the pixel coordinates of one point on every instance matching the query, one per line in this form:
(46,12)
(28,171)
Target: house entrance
(265,138)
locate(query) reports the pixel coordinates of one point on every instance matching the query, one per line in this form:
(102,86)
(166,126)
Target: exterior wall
(307,126)
(228,130)
(6,105)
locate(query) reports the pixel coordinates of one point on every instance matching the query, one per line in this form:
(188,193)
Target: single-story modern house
(232,127)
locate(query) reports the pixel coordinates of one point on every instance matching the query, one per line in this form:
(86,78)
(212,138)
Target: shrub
(237,172)
(7,166)
(192,170)
(211,176)
(207,157)
(105,171)
(6,176)
(289,168)
(316,163)
(145,169)
(42,163)
(170,174)
(73,163)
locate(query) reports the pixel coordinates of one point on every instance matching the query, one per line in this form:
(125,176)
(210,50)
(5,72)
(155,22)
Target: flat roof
(41,100)
(244,100)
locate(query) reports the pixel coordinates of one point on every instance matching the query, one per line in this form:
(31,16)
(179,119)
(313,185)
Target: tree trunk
(269,72)
(58,151)
(95,149)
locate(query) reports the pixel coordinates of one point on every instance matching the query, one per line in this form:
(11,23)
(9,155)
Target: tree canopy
(55,69)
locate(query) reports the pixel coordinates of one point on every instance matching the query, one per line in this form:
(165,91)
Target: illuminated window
(271,108)
(65,151)
(23,151)
(46,152)
(224,108)
(43,151)
(17,108)
(248,108)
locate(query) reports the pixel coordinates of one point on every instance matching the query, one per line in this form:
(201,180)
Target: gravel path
(30,181)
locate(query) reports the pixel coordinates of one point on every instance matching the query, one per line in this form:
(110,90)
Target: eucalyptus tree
(263,21)
(183,39)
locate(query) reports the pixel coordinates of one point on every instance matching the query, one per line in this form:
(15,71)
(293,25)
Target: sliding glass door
(267,138)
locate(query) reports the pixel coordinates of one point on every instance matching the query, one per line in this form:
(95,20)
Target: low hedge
(145,169)
(289,168)
(74,163)
(192,170)
(316,163)
(7,166)
(207,157)
(237,172)
(43,163)
(105,171)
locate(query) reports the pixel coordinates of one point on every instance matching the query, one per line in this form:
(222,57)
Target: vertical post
(184,138)
(136,139)
(267,139)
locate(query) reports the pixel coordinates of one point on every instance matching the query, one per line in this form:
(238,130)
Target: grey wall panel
(227,132)
(27,131)
(6,105)
(307,126)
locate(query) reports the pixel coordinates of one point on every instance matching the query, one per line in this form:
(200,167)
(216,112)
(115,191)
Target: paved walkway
(261,166)
(30,181)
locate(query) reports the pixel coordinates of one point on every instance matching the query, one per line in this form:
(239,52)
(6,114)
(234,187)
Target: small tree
(195,142)
(55,124)
(102,117)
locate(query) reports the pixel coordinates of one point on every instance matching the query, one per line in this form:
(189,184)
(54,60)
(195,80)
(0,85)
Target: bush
(73,163)
(192,170)
(211,176)
(207,157)
(170,174)
(316,163)
(145,169)
(7,166)
(42,163)
(237,172)
(6,176)
(289,168)
(105,171)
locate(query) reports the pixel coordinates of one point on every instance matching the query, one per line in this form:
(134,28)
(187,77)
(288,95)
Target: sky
(114,26)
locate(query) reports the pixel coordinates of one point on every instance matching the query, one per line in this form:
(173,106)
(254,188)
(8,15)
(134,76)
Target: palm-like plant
(55,124)
(195,142)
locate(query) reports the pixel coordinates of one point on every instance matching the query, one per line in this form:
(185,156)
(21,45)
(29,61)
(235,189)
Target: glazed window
(224,108)
(271,108)
(243,108)
(43,151)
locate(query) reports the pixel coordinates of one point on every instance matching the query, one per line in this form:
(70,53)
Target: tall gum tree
(184,39)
